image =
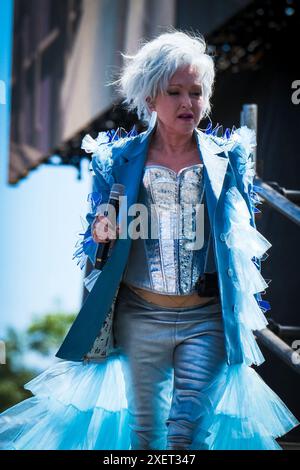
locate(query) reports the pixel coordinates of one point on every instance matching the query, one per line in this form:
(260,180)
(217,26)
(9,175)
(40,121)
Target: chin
(186,127)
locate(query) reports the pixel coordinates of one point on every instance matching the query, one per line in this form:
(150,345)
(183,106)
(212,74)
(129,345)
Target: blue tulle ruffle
(248,414)
(84,407)
(76,407)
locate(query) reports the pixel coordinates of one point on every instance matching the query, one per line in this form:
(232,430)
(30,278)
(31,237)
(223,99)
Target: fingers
(103,230)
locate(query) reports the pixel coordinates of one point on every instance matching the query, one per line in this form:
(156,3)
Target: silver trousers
(171,357)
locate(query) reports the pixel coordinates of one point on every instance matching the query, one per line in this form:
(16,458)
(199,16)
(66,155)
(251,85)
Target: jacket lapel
(129,171)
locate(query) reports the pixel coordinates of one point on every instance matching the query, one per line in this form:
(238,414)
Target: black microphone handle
(102,254)
(103,248)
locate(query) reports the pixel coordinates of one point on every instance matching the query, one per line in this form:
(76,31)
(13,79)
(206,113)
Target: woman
(160,354)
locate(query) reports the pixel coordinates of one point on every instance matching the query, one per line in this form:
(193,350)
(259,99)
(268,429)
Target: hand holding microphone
(105,230)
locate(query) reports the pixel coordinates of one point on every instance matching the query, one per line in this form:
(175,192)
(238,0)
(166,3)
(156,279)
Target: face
(180,108)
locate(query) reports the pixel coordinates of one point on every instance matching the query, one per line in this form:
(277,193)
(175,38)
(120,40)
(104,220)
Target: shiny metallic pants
(171,357)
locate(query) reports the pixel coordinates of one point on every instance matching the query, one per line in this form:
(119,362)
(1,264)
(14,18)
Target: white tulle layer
(247,413)
(77,406)
(66,380)
(246,277)
(84,406)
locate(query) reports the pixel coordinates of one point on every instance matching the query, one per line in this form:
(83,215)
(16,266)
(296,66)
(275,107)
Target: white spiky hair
(148,72)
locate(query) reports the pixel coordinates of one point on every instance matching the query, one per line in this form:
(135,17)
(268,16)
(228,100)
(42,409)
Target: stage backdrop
(64,54)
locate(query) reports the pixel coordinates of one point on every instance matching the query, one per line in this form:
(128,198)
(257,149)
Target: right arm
(100,229)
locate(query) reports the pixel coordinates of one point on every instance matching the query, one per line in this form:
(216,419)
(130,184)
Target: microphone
(116,191)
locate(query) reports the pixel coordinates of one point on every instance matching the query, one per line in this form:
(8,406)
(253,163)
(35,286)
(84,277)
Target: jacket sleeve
(105,150)
(86,247)
(100,195)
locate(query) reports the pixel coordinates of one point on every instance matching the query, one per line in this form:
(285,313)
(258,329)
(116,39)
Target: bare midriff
(163,300)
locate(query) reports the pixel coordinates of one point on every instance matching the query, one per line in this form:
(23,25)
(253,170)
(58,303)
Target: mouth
(186,116)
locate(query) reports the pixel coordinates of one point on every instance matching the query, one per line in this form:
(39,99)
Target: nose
(186,101)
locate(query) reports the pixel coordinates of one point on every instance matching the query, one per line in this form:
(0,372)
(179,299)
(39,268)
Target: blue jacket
(238,247)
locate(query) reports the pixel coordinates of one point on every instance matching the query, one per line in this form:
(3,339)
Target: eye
(172,92)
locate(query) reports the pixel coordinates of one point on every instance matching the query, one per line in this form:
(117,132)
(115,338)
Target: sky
(40,222)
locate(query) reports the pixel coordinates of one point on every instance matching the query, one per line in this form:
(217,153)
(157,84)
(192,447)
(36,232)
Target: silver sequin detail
(173,268)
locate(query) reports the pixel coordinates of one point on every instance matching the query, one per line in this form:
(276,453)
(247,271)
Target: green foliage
(43,336)
(13,374)
(46,333)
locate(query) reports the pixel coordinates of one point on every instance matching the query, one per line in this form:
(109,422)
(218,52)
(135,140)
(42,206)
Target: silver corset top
(170,258)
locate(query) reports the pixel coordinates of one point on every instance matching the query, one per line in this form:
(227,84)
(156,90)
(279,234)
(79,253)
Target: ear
(151,104)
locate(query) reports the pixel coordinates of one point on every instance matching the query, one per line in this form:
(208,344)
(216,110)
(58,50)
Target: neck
(170,142)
